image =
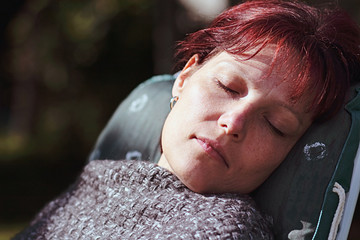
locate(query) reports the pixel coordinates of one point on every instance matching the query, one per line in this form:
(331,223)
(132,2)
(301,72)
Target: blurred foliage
(72,58)
(9,230)
(66,67)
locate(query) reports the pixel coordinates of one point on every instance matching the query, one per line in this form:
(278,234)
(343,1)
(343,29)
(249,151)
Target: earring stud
(173,101)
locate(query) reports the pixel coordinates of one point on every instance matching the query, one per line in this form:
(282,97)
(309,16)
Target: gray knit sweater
(140,200)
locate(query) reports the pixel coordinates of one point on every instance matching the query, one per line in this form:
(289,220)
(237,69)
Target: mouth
(213,149)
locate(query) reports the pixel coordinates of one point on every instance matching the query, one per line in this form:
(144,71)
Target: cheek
(201,96)
(268,152)
(177,129)
(169,132)
(263,161)
(277,155)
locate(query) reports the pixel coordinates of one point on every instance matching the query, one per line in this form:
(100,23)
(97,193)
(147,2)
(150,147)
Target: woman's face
(233,124)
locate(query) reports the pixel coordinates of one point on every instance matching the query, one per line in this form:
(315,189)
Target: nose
(234,123)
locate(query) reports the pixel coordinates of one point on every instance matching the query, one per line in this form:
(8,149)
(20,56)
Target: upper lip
(216,145)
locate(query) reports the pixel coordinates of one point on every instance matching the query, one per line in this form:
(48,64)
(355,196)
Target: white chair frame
(351,200)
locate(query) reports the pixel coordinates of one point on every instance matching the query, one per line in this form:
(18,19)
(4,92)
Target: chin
(200,189)
(197,185)
(204,187)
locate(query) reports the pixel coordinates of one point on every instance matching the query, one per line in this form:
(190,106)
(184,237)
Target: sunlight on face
(233,125)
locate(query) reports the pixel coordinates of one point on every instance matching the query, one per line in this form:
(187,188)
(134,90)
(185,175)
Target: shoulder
(118,165)
(99,166)
(111,168)
(224,216)
(128,172)
(242,217)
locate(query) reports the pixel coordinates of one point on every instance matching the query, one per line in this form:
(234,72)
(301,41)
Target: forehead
(263,68)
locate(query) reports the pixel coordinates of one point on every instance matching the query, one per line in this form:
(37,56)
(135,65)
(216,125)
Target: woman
(286,66)
(253,82)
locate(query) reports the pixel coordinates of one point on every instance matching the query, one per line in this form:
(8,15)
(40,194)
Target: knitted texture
(140,200)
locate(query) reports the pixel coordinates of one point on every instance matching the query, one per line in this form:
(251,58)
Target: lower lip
(211,151)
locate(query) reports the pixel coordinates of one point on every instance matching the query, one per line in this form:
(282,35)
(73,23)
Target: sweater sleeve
(139,200)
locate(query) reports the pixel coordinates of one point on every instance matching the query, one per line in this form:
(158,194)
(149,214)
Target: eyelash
(225,88)
(274,129)
(233,92)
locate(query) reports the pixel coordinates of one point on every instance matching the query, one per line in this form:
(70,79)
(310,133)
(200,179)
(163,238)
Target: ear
(186,72)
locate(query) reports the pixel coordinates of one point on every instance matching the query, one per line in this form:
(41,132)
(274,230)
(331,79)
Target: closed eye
(226,89)
(274,129)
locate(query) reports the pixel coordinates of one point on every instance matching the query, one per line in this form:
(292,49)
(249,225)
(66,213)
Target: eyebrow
(240,75)
(297,114)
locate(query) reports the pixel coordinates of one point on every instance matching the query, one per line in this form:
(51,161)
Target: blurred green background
(65,65)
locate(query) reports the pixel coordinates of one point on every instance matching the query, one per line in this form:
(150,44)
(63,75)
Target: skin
(233,124)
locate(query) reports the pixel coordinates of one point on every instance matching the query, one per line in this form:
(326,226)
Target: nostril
(233,124)
(225,127)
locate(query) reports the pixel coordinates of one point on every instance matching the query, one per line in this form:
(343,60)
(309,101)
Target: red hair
(324,43)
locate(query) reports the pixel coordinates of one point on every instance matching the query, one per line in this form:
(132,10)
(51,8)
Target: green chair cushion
(299,190)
